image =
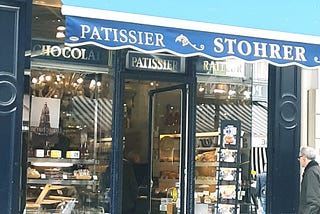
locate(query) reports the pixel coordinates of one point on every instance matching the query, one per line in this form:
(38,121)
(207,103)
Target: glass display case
(69,141)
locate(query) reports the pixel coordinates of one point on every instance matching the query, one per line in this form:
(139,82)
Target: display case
(71,181)
(206,167)
(69,142)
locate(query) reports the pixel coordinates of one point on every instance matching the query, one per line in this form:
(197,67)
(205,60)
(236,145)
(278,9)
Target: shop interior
(70,142)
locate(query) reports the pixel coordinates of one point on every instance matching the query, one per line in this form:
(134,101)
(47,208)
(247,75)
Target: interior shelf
(61,182)
(62,160)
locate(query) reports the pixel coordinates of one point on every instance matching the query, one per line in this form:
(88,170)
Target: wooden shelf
(204,134)
(213,163)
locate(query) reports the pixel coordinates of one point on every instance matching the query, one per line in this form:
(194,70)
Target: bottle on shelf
(47,150)
(84,151)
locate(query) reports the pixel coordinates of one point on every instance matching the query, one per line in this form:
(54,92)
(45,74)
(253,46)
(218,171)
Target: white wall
(309,84)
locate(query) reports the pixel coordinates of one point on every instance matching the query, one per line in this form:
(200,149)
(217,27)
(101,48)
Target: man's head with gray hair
(308,152)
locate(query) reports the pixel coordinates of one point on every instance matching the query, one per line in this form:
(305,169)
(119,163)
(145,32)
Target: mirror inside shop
(69,143)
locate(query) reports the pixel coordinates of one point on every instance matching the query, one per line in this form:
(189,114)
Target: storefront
(177,103)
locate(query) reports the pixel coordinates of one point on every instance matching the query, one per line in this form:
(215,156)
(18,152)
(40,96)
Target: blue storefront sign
(111,34)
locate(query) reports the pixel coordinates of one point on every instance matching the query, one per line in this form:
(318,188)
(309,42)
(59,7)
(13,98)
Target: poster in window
(228,155)
(229,135)
(44,120)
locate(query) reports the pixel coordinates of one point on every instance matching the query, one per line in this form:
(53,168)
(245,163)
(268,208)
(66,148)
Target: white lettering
(241,49)
(260,49)
(274,51)
(300,51)
(85,29)
(218,46)
(230,43)
(91,55)
(257,90)
(66,52)
(159,40)
(122,35)
(76,53)
(154,63)
(132,37)
(287,52)
(106,33)
(46,50)
(149,38)
(55,51)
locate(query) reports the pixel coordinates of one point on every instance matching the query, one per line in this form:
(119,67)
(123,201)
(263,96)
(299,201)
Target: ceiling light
(80,80)
(60,35)
(247,94)
(61,28)
(219,91)
(201,89)
(232,92)
(48,78)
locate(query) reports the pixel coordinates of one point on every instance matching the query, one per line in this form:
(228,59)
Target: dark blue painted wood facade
(283,139)
(15,36)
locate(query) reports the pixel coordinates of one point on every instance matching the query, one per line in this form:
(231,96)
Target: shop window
(224,93)
(69,142)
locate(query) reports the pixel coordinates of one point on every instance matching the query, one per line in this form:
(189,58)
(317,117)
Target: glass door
(154,146)
(167,146)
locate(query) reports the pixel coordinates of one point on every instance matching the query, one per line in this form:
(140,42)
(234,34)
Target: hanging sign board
(114,35)
(153,62)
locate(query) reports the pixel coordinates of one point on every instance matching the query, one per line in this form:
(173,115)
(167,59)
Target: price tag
(43,176)
(64,177)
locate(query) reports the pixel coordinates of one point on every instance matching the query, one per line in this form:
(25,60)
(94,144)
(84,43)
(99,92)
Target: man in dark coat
(129,187)
(310,185)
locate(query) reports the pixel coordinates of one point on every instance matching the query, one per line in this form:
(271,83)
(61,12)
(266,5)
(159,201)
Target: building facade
(163,97)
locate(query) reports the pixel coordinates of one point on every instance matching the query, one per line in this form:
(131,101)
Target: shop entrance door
(167,146)
(155,136)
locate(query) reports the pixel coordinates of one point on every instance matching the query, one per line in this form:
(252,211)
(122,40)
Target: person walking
(261,187)
(310,184)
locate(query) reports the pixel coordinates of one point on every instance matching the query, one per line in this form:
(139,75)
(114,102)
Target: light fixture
(48,78)
(232,92)
(60,35)
(221,89)
(52,164)
(201,89)
(61,28)
(247,94)
(80,80)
